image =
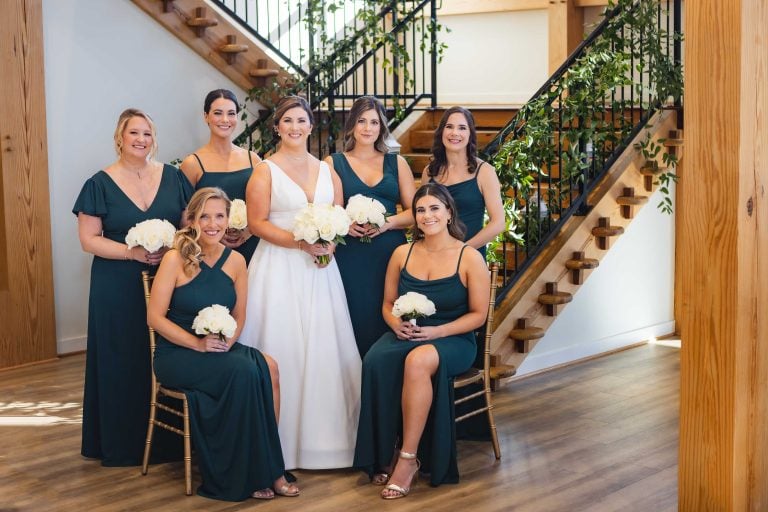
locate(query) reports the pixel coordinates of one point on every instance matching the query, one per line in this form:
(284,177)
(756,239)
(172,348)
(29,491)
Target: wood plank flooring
(597,436)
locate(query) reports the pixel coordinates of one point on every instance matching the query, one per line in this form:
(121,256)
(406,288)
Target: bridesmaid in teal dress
(117,370)
(222,164)
(472,182)
(231,389)
(365,167)
(407,389)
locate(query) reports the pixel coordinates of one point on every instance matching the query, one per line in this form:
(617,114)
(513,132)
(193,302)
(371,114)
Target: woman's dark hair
(456,228)
(286,103)
(439,160)
(220,93)
(359,107)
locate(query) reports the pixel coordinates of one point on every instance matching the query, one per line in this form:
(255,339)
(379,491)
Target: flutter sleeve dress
(117,367)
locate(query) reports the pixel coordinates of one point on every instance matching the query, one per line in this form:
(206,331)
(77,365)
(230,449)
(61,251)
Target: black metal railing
(338,51)
(565,139)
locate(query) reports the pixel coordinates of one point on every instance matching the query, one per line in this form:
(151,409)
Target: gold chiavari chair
(482,375)
(158,392)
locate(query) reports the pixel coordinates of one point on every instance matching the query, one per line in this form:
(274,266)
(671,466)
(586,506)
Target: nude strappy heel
(402,492)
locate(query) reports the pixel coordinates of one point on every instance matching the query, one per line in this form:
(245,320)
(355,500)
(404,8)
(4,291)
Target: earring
(449,221)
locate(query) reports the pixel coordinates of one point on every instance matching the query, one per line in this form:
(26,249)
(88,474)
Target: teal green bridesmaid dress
(232,415)
(117,369)
(233,183)
(470,204)
(363,265)
(381,419)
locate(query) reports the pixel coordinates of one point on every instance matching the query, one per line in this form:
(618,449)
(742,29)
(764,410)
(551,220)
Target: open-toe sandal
(285,490)
(264,494)
(402,492)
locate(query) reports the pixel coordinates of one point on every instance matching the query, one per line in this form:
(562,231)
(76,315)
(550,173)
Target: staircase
(571,175)
(578,161)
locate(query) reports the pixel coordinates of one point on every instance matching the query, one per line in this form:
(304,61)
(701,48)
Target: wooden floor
(600,435)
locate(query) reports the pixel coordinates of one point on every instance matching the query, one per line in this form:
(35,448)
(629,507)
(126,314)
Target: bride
(297,310)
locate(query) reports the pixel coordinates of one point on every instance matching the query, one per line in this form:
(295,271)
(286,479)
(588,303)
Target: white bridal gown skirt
(297,313)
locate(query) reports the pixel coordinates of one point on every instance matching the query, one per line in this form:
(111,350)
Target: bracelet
(300,244)
(127,253)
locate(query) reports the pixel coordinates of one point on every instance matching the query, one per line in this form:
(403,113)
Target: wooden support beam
(722,249)
(566,30)
(28,333)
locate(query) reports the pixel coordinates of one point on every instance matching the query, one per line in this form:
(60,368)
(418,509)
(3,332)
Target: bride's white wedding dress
(297,313)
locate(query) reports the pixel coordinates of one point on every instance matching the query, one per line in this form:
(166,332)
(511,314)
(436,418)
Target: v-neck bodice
(287,197)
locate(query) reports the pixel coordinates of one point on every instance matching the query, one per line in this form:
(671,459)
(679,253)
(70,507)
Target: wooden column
(722,245)
(566,30)
(28,331)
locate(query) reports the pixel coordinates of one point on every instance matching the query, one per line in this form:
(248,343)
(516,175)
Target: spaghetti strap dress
(380,404)
(117,365)
(364,265)
(233,183)
(231,412)
(470,205)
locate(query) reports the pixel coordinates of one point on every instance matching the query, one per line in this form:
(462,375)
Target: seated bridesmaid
(407,374)
(232,389)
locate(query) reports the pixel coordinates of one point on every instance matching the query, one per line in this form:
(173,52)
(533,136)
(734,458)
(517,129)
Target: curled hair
(456,227)
(122,122)
(359,107)
(220,93)
(186,238)
(439,161)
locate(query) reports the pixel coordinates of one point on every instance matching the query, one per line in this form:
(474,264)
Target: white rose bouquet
(151,234)
(413,305)
(325,223)
(215,319)
(238,215)
(366,210)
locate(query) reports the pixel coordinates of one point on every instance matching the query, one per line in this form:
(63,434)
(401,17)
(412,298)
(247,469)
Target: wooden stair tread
(233,48)
(604,231)
(631,200)
(202,22)
(555,298)
(673,143)
(586,263)
(528,333)
(502,371)
(652,171)
(263,73)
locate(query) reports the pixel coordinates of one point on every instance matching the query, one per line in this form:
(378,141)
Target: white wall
(493,58)
(627,299)
(100,58)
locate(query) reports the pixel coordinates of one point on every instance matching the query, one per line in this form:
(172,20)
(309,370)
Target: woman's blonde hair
(122,122)
(187,237)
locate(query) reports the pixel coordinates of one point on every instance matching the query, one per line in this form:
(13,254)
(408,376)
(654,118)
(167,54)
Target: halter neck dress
(232,415)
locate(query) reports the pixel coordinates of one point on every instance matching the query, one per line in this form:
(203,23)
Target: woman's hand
(373,231)
(357,230)
(405,331)
(140,254)
(426,333)
(213,343)
(234,238)
(319,249)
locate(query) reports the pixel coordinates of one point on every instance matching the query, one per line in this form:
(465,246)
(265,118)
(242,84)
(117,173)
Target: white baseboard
(538,362)
(70,345)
